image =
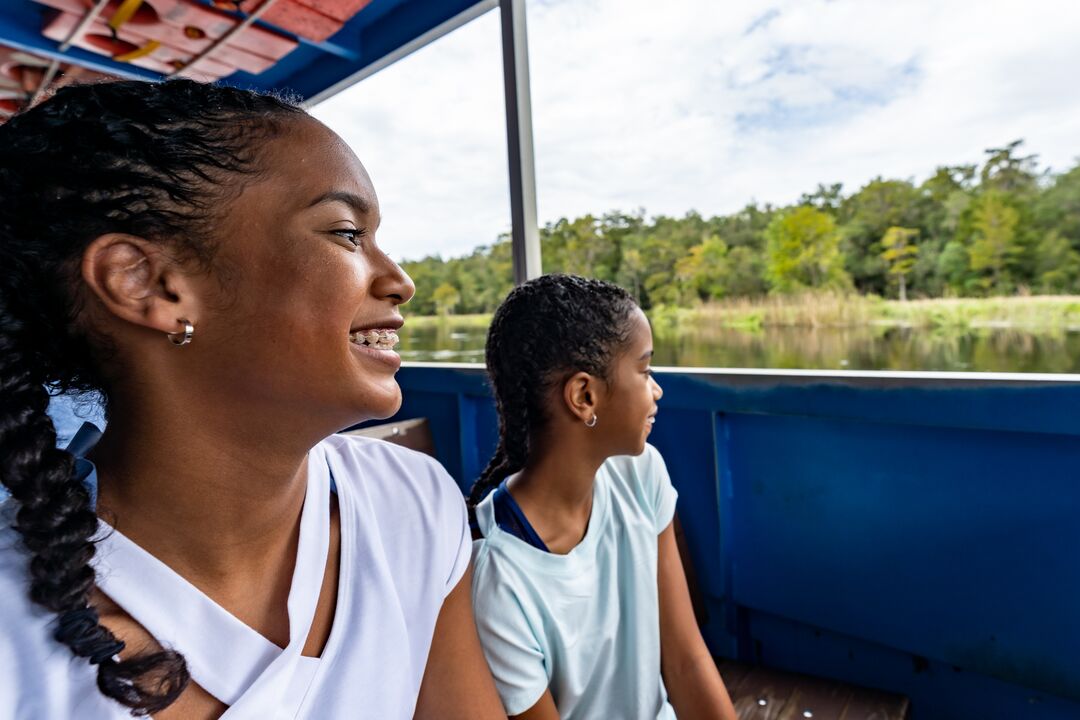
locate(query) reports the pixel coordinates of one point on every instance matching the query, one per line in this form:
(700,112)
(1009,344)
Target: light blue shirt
(585,625)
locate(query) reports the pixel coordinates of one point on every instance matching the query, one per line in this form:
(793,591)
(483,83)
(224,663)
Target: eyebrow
(646,355)
(353,200)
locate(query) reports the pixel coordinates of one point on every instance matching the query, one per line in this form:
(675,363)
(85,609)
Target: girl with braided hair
(578,589)
(204,257)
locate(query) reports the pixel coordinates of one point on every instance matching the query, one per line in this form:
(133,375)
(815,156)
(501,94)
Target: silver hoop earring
(591,422)
(184,336)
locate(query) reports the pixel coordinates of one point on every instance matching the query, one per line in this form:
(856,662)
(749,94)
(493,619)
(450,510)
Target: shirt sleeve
(512,649)
(659,490)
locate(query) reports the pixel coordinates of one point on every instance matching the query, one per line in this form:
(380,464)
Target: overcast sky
(706,105)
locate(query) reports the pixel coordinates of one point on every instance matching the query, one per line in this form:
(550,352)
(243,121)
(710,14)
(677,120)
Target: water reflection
(858,348)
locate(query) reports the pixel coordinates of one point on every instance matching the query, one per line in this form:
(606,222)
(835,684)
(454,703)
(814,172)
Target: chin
(374,403)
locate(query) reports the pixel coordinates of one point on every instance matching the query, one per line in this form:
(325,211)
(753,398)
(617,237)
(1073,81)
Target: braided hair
(152,160)
(546,330)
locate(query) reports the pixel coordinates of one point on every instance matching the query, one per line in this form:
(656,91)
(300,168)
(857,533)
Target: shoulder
(407,496)
(643,466)
(504,593)
(504,581)
(373,455)
(390,471)
(642,482)
(642,474)
(41,677)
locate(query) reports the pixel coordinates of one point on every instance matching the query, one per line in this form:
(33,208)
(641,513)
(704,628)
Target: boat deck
(762,693)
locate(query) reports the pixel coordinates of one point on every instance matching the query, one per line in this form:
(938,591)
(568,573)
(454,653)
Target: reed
(835,310)
(823,310)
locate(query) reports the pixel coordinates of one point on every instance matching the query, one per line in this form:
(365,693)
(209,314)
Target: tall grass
(823,310)
(479,322)
(835,310)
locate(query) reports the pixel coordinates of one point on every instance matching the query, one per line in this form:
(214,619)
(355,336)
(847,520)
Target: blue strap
(510,517)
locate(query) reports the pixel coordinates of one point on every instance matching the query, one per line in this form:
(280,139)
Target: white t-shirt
(404,545)
(585,625)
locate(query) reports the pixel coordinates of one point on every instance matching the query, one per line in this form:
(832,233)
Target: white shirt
(404,545)
(585,625)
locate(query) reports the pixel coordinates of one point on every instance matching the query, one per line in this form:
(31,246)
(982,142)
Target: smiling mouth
(379,339)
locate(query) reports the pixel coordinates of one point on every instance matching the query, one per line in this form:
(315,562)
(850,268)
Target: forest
(1001,227)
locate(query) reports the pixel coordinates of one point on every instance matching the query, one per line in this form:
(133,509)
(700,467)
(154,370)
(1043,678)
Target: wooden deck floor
(764,694)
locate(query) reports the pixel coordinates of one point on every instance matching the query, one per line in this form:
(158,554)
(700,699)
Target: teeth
(380,339)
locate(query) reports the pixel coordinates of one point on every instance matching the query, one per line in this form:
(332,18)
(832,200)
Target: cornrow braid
(146,159)
(545,330)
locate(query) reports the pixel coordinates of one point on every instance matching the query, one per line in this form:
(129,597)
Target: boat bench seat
(414,434)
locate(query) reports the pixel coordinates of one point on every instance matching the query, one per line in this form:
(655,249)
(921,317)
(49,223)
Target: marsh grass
(465,322)
(827,310)
(1033,313)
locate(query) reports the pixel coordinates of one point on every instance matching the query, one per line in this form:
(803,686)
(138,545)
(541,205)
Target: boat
(909,532)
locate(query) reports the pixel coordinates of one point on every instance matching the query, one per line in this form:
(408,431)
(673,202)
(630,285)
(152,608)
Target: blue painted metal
(376,31)
(915,534)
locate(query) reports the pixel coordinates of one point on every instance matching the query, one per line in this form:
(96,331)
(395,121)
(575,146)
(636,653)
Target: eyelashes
(353,235)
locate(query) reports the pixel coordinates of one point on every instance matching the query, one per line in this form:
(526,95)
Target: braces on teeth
(380,339)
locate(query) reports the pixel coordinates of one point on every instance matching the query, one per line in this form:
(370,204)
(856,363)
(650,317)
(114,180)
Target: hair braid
(134,157)
(543,332)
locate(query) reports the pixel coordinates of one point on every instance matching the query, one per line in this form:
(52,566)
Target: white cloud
(702,105)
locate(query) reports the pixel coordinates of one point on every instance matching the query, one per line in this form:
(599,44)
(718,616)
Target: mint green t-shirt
(585,624)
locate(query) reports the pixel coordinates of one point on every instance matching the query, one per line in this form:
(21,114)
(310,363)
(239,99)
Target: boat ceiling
(332,55)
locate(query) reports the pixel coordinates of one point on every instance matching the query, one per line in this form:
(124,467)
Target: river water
(859,348)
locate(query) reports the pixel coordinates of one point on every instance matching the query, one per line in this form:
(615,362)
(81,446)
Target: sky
(707,106)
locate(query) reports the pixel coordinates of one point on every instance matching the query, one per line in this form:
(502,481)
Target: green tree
(866,216)
(1058,268)
(746,273)
(803,252)
(954,266)
(900,254)
(1058,207)
(704,273)
(1007,172)
(446,298)
(995,247)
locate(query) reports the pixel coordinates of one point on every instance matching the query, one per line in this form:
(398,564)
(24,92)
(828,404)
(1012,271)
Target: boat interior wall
(907,533)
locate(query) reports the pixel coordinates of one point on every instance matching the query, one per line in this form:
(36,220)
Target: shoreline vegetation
(989,245)
(1036,314)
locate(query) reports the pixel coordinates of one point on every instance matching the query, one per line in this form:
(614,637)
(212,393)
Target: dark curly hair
(148,159)
(546,330)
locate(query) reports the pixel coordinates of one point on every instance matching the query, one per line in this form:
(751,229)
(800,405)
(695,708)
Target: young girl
(205,257)
(578,591)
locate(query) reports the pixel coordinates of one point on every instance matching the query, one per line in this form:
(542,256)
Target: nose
(657,391)
(393,283)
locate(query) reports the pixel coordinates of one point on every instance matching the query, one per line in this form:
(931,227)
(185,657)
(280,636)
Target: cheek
(308,294)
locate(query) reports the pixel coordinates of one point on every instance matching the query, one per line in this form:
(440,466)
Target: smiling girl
(205,258)
(579,592)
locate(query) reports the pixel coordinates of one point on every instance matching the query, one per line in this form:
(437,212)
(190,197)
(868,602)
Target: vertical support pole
(519,141)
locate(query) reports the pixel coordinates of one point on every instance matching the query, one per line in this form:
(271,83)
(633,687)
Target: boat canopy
(312,47)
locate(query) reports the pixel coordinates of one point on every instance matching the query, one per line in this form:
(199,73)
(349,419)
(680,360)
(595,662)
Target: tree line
(994,228)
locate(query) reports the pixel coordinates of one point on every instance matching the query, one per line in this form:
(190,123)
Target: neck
(213,497)
(555,489)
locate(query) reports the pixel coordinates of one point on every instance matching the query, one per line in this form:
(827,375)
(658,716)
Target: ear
(580,394)
(137,281)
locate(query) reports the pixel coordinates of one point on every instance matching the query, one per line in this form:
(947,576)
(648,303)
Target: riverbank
(1031,313)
